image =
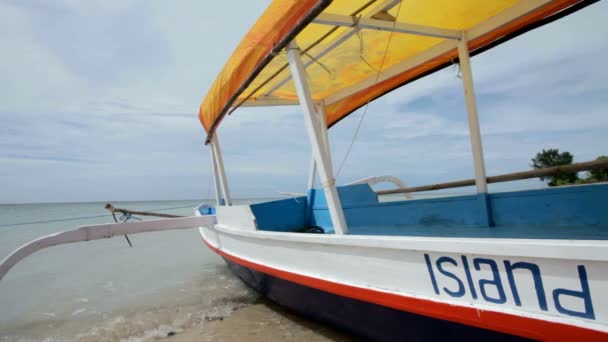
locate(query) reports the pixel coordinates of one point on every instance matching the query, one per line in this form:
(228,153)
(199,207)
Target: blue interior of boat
(572,212)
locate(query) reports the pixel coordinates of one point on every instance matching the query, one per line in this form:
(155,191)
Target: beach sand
(259,322)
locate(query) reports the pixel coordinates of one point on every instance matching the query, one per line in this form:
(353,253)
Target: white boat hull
(539,289)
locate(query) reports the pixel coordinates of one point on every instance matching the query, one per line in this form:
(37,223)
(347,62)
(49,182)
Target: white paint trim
(217,153)
(101,231)
(474,130)
(319,150)
(593,250)
(383,25)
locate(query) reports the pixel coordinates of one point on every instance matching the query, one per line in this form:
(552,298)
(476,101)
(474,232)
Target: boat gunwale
(561,249)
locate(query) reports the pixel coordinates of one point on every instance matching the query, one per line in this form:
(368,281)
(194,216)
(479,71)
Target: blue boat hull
(362,319)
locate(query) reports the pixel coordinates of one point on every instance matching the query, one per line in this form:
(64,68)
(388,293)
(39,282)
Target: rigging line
(317,62)
(388,44)
(81,218)
(361,44)
(49,221)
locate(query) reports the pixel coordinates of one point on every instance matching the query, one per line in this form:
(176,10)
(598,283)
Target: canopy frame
(228,106)
(385,25)
(318,139)
(448,47)
(382,7)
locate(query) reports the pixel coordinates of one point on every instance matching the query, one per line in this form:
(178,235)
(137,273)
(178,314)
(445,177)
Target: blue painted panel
(286,215)
(351,195)
(568,212)
(579,212)
(321,218)
(444,212)
(206,209)
(567,206)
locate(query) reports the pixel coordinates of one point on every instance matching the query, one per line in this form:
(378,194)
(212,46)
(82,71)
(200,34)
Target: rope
(127,217)
(124,218)
(459,72)
(388,44)
(317,62)
(80,218)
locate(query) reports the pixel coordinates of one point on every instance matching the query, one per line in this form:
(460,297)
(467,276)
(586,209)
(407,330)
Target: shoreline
(259,322)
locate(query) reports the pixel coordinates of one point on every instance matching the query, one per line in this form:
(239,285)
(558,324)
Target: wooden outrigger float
(502,266)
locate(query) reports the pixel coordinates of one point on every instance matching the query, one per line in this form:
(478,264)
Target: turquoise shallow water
(105,290)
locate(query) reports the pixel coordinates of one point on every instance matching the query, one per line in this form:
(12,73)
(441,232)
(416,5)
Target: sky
(99,102)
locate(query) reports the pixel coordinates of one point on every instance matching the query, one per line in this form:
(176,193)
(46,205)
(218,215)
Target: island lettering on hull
(494,290)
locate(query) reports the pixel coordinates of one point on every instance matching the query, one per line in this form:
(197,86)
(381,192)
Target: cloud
(99,101)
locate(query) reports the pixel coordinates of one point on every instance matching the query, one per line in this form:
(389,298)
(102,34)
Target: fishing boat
(519,265)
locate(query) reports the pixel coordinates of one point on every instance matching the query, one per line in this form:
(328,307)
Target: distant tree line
(552,157)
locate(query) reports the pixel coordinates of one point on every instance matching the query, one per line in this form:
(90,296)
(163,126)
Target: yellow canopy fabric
(357,50)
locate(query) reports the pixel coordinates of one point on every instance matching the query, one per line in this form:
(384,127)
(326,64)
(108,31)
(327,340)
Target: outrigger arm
(101,231)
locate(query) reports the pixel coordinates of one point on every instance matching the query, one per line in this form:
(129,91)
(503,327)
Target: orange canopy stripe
(351,58)
(276,23)
(340,109)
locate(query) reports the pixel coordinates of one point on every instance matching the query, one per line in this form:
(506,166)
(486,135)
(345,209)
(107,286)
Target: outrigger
(495,266)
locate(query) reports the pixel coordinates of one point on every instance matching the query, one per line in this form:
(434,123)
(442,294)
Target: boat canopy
(354,51)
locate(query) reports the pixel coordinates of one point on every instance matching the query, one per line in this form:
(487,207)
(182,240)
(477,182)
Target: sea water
(104,289)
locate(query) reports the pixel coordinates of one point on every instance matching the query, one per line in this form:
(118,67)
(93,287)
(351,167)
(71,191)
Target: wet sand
(259,322)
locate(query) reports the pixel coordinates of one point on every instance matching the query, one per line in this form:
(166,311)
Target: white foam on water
(78,311)
(156,317)
(167,281)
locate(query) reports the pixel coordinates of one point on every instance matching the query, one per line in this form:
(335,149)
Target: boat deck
(567,213)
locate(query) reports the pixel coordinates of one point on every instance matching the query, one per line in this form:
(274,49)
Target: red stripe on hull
(510,324)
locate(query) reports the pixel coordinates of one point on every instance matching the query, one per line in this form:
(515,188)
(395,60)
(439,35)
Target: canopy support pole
(485,213)
(318,143)
(322,126)
(217,157)
(216,179)
(323,129)
(474,131)
(312,175)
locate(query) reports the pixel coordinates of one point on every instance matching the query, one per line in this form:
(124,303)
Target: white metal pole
(220,165)
(474,131)
(312,175)
(216,178)
(322,126)
(324,132)
(319,151)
